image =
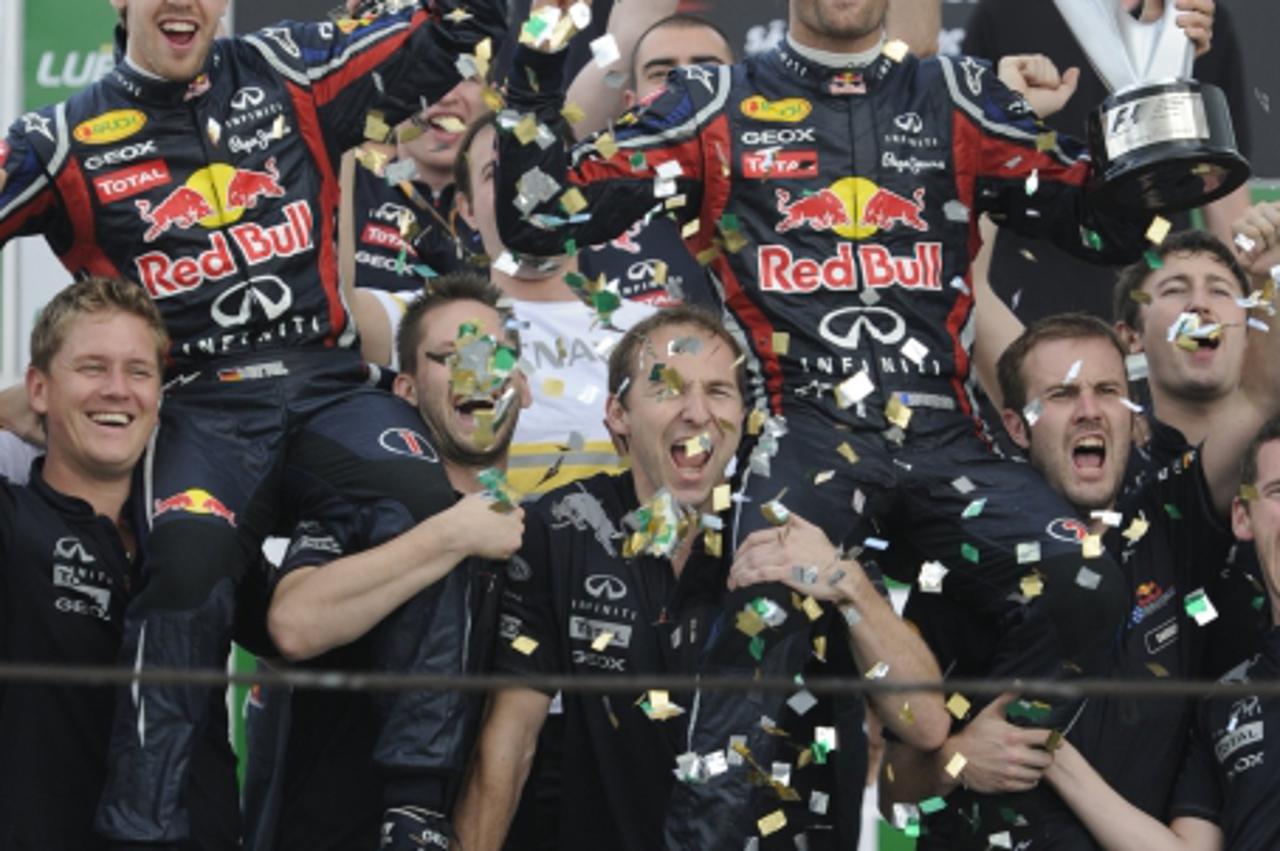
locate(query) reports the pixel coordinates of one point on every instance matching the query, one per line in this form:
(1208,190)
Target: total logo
(212,197)
(194,501)
(853,207)
(127,182)
(164,276)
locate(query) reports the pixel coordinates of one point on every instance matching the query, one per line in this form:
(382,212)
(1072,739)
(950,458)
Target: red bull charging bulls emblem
(212,197)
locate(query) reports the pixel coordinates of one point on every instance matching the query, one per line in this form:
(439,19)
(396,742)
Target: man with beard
(597,590)
(346,571)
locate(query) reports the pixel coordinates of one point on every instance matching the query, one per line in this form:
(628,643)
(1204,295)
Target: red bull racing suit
(838,211)
(218,196)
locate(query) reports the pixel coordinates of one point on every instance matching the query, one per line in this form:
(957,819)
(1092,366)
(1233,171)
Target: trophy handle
(1125,52)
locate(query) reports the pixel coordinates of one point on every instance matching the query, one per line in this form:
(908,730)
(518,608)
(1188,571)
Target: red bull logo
(212,197)
(164,276)
(247,186)
(853,207)
(823,210)
(183,207)
(886,209)
(194,501)
(780,271)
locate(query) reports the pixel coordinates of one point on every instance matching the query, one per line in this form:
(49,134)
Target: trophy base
(1164,147)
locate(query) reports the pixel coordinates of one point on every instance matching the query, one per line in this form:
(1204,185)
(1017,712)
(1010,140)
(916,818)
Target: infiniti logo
(880,323)
(603,585)
(235,306)
(247,98)
(909,122)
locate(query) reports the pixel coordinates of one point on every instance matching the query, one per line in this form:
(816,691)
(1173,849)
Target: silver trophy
(1161,141)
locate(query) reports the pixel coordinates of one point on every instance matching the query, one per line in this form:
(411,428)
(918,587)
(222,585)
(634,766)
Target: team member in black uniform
(1225,795)
(151,170)
(1226,386)
(343,574)
(1168,539)
(578,601)
(68,566)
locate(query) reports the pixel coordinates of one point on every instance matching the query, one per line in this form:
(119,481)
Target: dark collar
(836,81)
(139,87)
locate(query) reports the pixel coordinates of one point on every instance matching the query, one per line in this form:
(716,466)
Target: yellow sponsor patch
(110,127)
(787,110)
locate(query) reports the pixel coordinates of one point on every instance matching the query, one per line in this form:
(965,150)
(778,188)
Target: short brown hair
(680,21)
(89,296)
(1249,463)
(1062,326)
(462,163)
(1125,308)
(623,357)
(446,289)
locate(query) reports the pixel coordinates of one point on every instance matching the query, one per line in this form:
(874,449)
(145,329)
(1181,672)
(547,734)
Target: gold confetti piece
(713,542)
(690,228)
(697,445)
(846,452)
(526,129)
(812,608)
(781,342)
(1158,669)
(906,715)
(1248,493)
(721,498)
(659,273)
(278,127)
(896,50)
(775,512)
(958,705)
(820,647)
(376,128)
(1032,585)
(772,823)
(572,113)
(755,421)
(707,255)
(1158,229)
(214,129)
(606,145)
(1139,296)
(1136,529)
(601,641)
(888,772)
(1046,141)
(552,388)
(823,476)
(1053,742)
(897,412)
(749,623)
(1091,546)
(493,99)
(524,644)
(956,765)
(573,201)
(451,124)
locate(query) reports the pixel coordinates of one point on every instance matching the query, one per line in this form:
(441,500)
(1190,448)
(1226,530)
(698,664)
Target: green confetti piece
(912,829)
(820,752)
(504,359)
(1172,511)
(969,552)
(1257,603)
(571,247)
(929,806)
(1092,239)
(1010,816)
(575,280)
(1025,710)
(757,648)
(729,221)
(468,329)
(1195,603)
(400,260)
(1153,258)
(973,509)
(638,160)
(535,27)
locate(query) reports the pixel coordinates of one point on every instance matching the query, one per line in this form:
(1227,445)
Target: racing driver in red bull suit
(207,171)
(833,185)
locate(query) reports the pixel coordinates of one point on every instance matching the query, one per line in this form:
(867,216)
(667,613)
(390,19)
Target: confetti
(1087,578)
(1137,528)
(896,49)
(1244,243)
(956,765)
(959,706)
(214,130)
(878,671)
(781,342)
(1135,366)
(524,644)
(1091,546)
(1199,607)
(914,351)
(1158,229)
(1028,552)
(601,641)
(854,389)
(604,50)
(974,508)
(801,702)
(552,388)
(846,452)
(1108,518)
(897,412)
(969,552)
(1248,493)
(931,575)
(772,823)
(1032,586)
(963,485)
(1031,412)
(720,498)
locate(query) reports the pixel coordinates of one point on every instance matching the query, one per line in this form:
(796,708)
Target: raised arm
(315,609)
(802,558)
(600,102)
